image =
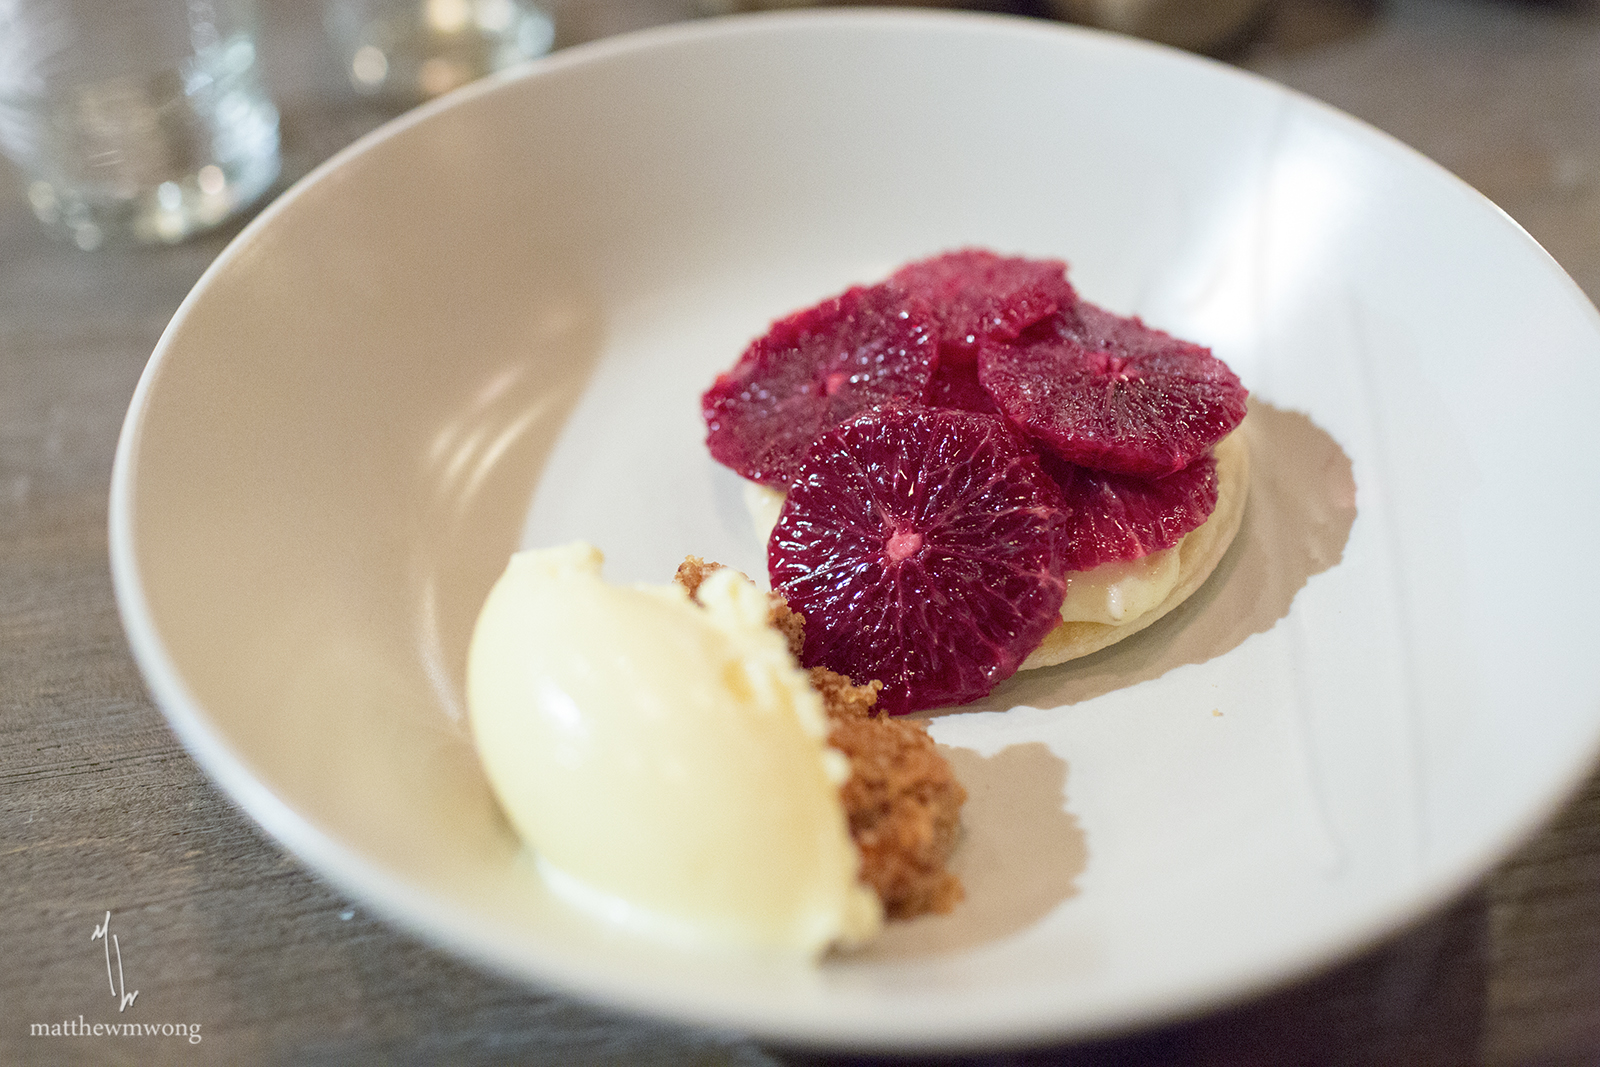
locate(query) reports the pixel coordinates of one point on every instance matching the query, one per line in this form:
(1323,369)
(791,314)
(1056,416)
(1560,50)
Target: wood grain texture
(102,810)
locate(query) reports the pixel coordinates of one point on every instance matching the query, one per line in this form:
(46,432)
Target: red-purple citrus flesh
(812,371)
(979,295)
(1122,517)
(924,548)
(1108,392)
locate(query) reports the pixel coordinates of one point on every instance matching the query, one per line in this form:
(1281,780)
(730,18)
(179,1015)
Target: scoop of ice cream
(665,760)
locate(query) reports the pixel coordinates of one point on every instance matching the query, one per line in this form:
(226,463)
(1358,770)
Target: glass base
(175,210)
(412,50)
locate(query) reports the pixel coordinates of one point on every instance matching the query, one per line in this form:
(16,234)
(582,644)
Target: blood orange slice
(980,295)
(1109,392)
(924,548)
(955,385)
(1121,517)
(812,371)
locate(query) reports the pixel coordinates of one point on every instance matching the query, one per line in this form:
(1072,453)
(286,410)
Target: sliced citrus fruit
(1106,391)
(924,548)
(812,371)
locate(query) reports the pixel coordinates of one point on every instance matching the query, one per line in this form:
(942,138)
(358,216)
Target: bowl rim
(456,930)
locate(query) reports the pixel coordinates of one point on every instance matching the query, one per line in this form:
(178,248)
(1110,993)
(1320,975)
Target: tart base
(1202,549)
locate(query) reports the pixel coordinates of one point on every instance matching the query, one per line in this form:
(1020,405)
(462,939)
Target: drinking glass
(411,50)
(135,119)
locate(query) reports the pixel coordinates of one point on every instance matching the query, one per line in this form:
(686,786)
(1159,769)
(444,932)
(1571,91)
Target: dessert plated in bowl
(970,471)
(488,327)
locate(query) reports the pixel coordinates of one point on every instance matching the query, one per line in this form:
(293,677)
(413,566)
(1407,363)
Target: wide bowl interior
(489,325)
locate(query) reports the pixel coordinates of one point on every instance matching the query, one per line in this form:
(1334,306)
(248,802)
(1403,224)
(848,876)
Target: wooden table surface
(103,810)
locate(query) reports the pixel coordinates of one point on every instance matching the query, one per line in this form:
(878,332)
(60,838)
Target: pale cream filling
(1121,590)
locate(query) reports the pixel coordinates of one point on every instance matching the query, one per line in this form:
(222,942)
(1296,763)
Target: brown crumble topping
(693,570)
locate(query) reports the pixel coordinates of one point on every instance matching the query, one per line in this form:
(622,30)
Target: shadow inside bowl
(1019,856)
(1297,520)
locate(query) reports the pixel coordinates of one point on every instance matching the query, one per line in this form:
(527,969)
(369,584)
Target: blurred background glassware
(411,50)
(711,8)
(1199,25)
(135,119)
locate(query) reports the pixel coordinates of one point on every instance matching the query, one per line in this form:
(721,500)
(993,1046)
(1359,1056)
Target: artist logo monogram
(125,999)
(117,982)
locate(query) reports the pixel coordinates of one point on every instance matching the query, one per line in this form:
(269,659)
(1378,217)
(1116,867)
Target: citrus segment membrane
(924,548)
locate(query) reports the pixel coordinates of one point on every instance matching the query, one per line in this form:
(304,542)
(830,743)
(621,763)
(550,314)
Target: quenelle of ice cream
(665,760)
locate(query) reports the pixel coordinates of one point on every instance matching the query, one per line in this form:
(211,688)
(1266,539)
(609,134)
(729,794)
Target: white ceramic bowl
(488,324)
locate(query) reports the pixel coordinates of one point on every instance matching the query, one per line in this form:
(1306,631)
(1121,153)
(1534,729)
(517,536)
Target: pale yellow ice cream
(666,762)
